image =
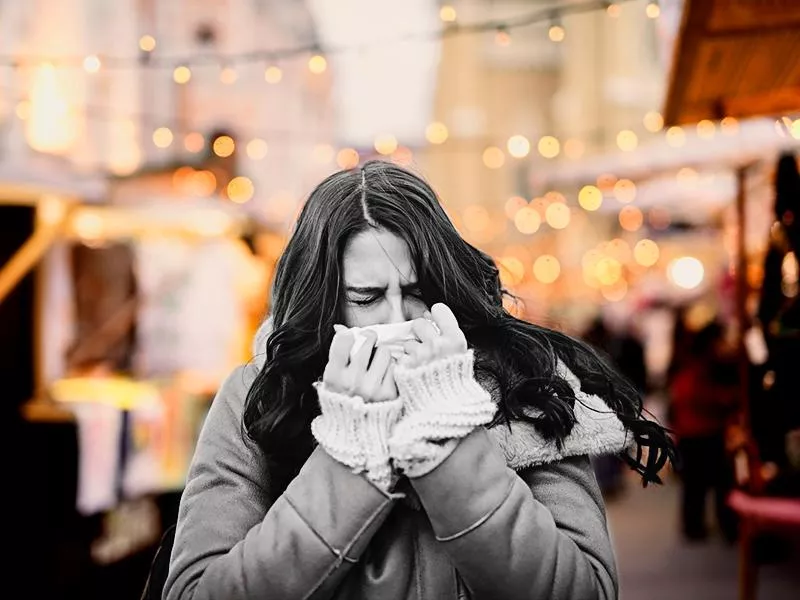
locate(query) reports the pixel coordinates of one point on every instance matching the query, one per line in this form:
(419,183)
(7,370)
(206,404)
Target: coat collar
(597,430)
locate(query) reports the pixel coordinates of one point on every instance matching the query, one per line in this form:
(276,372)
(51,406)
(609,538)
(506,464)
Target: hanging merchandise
(99,435)
(190,314)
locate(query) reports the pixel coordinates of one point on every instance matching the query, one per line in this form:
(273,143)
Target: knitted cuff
(356,432)
(443,403)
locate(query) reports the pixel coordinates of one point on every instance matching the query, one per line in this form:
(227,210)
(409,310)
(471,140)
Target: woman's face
(380,280)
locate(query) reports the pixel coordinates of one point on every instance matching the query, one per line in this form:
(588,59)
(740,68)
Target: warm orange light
(347,158)
(436,133)
(549,147)
(317,64)
(224,146)
(273,74)
(527,220)
(546,268)
(493,157)
(590,198)
(240,189)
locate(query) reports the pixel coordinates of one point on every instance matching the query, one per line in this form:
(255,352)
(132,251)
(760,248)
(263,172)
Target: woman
(324,476)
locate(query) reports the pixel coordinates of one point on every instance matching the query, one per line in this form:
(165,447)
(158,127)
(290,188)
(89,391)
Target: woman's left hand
(448,341)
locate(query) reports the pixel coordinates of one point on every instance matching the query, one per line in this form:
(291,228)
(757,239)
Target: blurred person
(459,469)
(704,396)
(613,337)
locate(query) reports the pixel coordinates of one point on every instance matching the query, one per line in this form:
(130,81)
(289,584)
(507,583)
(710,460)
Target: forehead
(376,257)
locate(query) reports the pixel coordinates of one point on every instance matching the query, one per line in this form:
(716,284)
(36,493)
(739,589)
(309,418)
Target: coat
(506,516)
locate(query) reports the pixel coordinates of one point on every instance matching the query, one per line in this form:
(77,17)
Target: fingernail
(339,328)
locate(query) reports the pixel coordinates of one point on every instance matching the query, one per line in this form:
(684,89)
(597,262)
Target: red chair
(758,514)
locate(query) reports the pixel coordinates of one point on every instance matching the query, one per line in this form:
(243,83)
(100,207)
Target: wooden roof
(738,58)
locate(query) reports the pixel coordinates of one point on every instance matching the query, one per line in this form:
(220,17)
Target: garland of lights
(181,65)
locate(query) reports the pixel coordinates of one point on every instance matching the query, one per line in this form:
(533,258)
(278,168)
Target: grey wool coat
(506,516)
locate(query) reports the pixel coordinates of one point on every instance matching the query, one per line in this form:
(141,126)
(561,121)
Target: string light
(228,75)
(323,153)
(182,74)
(631,218)
(706,129)
(646,252)
(493,157)
(676,136)
(240,189)
(590,198)
(513,205)
(436,133)
(625,191)
(224,146)
(91,64)
(627,140)
(546,268)
(574,149)
(613,10)
(447,13)
(729,126)
(162,137)
(548,146)
(385,144)
(147,43)
(502,37)
(273,74)
(194,142)
(317,64)
(653,121)
(686,272)
(652,10)
(527,220)
(518,146)
(347,158)
(556,33)
(557,215)
(402,156)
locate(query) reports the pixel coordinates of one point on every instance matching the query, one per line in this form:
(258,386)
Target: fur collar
(597,431)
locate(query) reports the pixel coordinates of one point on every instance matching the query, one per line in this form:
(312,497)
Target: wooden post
(755,482)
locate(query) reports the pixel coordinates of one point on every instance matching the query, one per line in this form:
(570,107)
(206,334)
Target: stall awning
(736,58)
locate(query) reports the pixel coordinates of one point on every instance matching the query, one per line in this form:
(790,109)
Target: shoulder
(223,425)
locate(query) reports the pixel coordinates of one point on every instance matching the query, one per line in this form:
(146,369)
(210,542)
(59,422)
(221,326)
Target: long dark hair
(520,357)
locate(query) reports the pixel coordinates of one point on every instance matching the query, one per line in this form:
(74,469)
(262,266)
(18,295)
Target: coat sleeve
(233,542)
(538,534)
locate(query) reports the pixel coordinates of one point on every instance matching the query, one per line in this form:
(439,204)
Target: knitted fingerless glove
(442,403)
(356,433)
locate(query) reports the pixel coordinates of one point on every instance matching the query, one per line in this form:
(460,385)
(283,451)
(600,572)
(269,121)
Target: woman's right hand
(371,380)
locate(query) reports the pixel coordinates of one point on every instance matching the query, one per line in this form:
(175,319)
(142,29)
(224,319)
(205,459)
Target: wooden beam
(26,257)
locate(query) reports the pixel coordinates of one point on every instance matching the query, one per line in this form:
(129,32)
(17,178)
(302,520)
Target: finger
(445,320)
(424,330)
(411,347)
(377,368)
(417,353)
(360,361)
(339,352)
(388,390)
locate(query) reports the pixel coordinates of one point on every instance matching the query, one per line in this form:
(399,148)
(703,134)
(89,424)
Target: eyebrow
(376,290)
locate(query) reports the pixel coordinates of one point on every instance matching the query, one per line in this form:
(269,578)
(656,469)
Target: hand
(372,380)
(433,344)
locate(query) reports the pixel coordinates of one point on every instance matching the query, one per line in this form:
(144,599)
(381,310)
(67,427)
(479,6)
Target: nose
(397,312)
